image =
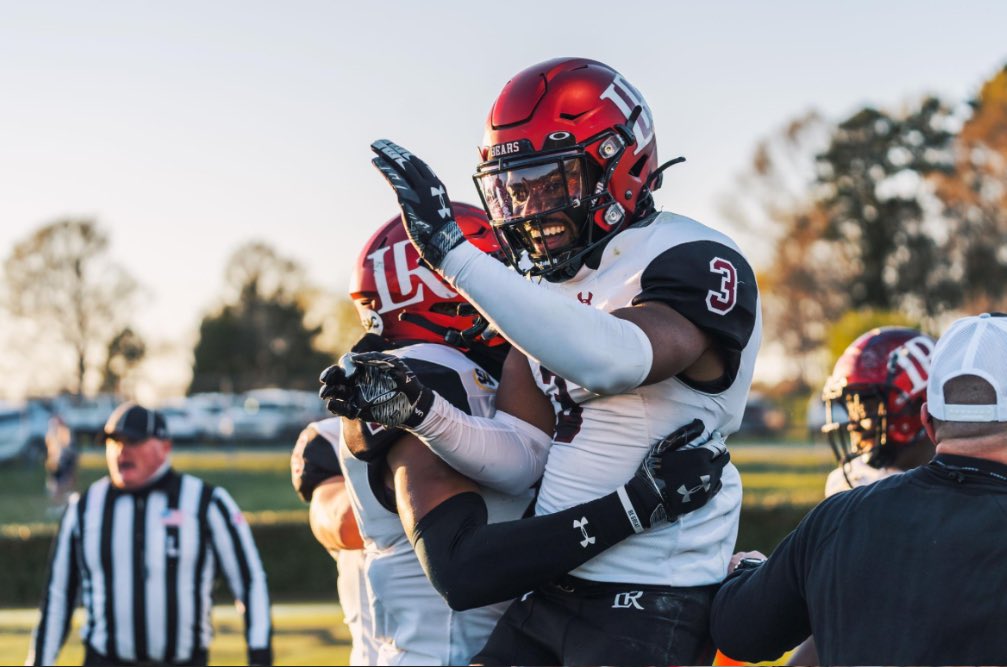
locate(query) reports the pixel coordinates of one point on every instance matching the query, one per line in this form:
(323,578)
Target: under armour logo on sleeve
(582,524)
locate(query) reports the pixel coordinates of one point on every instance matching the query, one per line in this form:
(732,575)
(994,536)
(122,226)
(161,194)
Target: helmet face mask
(542,209)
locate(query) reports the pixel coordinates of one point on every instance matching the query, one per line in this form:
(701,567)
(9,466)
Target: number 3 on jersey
(722,301)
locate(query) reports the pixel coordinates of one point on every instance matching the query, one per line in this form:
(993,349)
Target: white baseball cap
(975,345)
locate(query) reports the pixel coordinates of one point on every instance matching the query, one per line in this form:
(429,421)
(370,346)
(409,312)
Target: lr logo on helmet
(627,98)
(404,278)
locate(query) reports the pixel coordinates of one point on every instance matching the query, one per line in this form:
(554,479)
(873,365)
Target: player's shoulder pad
(710,283)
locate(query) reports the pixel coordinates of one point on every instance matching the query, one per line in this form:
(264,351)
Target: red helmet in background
(879,384)
(568,156)
(402,300)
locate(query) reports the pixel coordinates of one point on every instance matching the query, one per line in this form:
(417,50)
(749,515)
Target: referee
(143,546)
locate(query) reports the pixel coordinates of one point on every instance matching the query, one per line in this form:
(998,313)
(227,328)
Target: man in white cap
(906,570)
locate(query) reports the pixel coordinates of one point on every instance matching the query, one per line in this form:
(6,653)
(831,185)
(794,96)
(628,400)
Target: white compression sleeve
(600,352)
(503,453)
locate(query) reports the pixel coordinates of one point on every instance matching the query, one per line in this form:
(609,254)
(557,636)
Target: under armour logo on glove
(582,525)
(676,462)
(428,218)
(376,387)
(445,210)
(704,484)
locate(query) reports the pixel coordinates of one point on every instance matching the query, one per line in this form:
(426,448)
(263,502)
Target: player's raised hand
(423,200)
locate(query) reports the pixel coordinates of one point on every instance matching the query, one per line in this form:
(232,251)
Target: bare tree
(62,279)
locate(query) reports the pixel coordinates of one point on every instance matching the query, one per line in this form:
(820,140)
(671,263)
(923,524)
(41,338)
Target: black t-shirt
(908,570)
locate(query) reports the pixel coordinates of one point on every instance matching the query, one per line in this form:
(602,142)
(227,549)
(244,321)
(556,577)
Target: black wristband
(421,408)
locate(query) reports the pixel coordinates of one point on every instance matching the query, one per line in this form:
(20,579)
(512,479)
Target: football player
(873,420)
(635,324)
(318,480)
(428,327)
(872,406)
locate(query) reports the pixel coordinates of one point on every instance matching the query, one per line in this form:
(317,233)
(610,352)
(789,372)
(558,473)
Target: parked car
(762,418)
(183,426)
(208,410)
(22,430)
(85,415)
(272,414)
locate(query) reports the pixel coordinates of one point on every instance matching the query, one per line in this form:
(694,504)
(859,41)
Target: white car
(22,430)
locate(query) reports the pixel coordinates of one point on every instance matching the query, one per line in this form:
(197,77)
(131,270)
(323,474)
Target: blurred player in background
(879,383)
(318,480)
(60,462)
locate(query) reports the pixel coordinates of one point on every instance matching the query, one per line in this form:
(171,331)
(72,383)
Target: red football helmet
(402,300)
(873,398)
(568,158)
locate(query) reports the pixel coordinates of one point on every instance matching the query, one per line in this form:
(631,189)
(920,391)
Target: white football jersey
(600,440)
(413,624)
(350,583)
(860,473)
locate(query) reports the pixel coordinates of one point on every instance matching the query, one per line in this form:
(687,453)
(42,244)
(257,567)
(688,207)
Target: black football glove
(376,387)
(426,209)
(312,461)
(677,476)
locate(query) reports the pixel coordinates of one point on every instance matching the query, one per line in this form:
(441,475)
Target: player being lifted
(636,324)
(418,319)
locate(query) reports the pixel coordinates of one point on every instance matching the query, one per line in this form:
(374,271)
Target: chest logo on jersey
(585,299)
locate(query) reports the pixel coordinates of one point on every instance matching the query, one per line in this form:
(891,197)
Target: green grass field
(773,475)
(304,634)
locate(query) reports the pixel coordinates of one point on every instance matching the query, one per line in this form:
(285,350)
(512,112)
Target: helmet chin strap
(453,337)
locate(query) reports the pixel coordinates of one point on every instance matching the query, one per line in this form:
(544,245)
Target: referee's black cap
(132,422)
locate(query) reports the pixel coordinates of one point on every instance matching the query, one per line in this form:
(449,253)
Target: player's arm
(331,517)
(606,353)
(760,612)
(446,520)
(318,479)
(506,452)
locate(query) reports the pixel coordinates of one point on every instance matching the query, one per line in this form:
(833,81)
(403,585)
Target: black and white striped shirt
(144,563)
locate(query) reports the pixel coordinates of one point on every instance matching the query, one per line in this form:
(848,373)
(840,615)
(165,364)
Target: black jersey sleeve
(713,287)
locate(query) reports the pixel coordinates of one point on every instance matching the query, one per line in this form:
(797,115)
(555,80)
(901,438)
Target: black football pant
(578,622)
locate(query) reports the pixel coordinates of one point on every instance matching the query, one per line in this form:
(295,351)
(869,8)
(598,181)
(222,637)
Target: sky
(189,128)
